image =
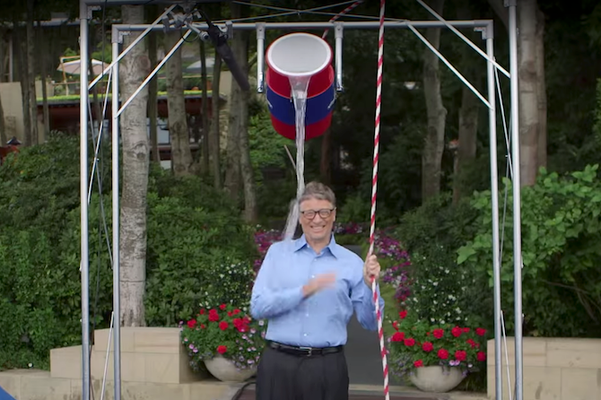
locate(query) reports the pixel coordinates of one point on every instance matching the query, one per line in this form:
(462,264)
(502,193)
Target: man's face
(317,219)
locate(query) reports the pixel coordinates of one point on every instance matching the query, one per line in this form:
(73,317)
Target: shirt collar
(301,242)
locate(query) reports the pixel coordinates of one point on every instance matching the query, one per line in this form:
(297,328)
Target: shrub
(561,232)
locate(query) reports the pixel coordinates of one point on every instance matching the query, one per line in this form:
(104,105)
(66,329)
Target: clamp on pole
(260,57)
(338,30)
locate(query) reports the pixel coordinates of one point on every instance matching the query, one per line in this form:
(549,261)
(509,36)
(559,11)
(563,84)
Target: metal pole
(338,32)
(323,25)
(517,220)
(83,147)
(153,73)
(131,46)
(116,209)
(260,57)
(492,123)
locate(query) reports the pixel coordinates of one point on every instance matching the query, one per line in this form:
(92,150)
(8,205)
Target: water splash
(299,86)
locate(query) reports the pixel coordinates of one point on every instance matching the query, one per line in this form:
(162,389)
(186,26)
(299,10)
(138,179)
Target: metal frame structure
(485,26)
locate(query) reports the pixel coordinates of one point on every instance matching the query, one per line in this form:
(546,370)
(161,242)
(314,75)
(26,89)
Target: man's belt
(302,351)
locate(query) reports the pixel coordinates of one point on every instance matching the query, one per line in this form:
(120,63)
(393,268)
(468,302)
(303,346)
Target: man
(307,289)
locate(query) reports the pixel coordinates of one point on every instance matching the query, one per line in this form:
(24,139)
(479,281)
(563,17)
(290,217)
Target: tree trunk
(528,100)
(325,165)
(135,66)
(468,113)
(45,107)
(434,141)
(24,81)
(153,88)
(206,153)
(215,129)
(33,103)
(181,156)
(541,91)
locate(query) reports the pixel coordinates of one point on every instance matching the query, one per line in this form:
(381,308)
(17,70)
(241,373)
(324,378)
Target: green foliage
(442,291)
(194,235)
(561,232)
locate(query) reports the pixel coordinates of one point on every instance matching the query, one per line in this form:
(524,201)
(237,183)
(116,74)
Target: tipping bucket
(297,55)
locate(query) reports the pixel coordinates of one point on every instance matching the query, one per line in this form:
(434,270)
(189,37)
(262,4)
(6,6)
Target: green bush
(561,252)
(193,231)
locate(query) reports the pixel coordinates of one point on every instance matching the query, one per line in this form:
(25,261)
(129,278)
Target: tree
(181,156)
(434,141)
(135,67)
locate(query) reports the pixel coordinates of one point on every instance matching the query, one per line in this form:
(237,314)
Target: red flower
(438,333)
(223,325)
(192,323)
(427,346)
(202,312)
(481,356)
(236,311)
(460,355)
(466,330)
(221,349)
(202,326)
(240,324)
(443,354)
(223,307)
(213,315)
(456,331)
(418,363)
(230,314)
(403,314)
(398,337)
(409,342)
(471,343)
(480,331)
(395,325)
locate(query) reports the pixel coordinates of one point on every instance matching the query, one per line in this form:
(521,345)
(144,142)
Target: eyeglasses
(323,213)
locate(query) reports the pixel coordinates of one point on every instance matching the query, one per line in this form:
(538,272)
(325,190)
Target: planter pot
(436,379)
(225,370)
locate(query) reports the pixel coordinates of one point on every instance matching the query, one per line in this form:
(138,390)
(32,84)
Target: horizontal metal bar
(324,25)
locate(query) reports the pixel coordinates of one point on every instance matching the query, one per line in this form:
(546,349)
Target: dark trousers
(283,376)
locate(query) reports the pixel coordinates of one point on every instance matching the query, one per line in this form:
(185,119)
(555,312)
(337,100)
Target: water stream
(299,87)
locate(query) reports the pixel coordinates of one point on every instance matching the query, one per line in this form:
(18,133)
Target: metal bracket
(260,57)
(91,10)
(338,30)
(117,35)
(229,29)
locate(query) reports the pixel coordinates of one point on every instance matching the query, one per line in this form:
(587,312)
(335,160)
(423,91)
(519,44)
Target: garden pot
(436,379)
(225,370)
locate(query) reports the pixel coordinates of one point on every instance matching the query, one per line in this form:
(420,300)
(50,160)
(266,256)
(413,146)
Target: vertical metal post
(116,39)
(83,146)
(517,220)
(260,57)
(492,127)
(338,32)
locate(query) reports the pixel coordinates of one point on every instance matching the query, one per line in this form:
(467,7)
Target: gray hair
(319,191)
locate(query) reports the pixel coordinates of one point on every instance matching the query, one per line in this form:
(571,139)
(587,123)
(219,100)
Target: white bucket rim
(316,38)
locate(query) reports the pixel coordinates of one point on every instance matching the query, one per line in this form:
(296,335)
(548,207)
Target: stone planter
(436,379)
(225,370)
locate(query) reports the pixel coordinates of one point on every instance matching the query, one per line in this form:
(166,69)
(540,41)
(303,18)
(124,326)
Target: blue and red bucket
(300,55)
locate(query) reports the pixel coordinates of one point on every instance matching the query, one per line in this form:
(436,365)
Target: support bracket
(339,31)
(260,57)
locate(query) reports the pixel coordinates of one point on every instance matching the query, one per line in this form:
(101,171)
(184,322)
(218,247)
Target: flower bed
(224,330)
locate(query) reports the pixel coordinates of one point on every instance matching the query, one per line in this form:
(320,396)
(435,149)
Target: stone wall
(554,369)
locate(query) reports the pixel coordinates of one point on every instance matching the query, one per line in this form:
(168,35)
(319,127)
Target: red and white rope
(374,192)
(345,11)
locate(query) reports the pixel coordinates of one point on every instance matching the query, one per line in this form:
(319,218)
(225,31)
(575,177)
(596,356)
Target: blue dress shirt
(321,319)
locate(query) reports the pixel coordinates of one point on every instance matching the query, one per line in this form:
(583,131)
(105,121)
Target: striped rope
(337,16)
(374,192)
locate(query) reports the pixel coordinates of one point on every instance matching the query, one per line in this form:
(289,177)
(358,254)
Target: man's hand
(371,268)
(319,283)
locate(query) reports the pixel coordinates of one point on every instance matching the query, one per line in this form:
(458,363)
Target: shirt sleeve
(364,305)
(268,301)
